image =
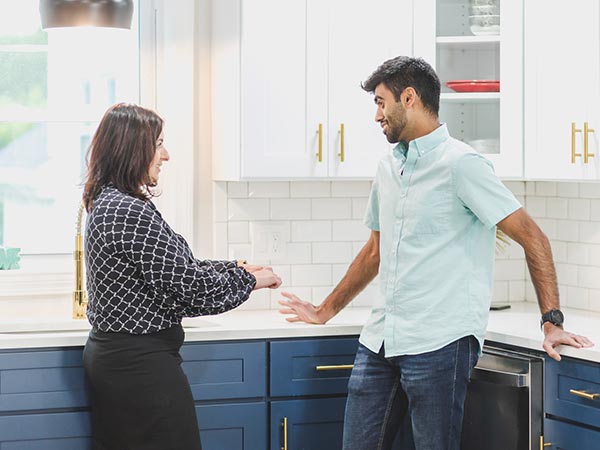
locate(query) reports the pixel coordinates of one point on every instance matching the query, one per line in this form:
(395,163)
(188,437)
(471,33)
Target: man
(433,212)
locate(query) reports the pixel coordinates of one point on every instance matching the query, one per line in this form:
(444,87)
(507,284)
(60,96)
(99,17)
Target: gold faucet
(79,295)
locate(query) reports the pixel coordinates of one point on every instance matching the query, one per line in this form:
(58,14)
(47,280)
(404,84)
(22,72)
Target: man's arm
(360,273)
(521,228)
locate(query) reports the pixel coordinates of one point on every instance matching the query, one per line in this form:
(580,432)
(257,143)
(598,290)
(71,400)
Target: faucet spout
(79,294)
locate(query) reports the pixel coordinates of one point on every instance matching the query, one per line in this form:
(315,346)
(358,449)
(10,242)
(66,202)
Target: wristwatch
(554,316)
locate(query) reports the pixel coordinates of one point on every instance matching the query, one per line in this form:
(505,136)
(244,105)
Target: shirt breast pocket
(430,215)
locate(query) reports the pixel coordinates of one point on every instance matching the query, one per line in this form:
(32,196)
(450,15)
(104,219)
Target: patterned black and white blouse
(142,276)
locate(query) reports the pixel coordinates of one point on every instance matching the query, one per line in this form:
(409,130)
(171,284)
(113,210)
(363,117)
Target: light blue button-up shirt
(436,205)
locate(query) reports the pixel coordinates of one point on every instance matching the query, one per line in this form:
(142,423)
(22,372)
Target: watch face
(556,317)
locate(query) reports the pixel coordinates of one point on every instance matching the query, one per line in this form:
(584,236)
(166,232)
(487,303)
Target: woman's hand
(266,278)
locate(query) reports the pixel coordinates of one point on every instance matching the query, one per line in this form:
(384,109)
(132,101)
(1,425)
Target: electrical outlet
(269,242)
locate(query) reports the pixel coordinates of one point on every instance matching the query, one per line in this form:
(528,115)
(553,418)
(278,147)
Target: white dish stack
(484,17)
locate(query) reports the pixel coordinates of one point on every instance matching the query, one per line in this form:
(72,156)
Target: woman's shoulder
(111,201)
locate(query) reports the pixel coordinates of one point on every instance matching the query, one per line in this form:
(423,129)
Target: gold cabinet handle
(284,425)
(573,132)
(544,444)
(320,139)
(338,367)
(341,154)
(586,153)
(584,394)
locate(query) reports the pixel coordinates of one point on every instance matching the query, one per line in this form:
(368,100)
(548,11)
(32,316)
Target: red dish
(474,85)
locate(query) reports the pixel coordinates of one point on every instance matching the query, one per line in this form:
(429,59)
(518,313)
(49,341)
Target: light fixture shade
(95,13)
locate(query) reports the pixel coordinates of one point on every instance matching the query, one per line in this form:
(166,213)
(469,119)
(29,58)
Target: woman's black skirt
(141,399)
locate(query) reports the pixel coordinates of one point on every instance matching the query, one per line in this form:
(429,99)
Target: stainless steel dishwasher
(504,405)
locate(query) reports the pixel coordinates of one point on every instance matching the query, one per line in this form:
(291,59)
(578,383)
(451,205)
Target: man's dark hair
(401,72)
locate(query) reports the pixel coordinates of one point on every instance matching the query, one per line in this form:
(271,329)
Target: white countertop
(517,326)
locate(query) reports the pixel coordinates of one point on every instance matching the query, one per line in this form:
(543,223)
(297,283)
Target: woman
(142,279)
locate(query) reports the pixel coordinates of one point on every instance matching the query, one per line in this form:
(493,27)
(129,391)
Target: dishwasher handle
(503,378)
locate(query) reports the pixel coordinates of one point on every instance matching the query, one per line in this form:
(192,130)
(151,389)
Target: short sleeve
(371,219)
(481,190)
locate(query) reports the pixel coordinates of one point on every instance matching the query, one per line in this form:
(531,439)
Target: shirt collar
(423,144)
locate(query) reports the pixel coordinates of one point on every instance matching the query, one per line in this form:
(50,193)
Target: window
(54,89)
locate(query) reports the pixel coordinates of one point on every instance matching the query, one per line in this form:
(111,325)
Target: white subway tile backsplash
(311,231)
(595,210)
(268,190)
(326,232)
(351,189)
(577,253)
(310,189)
(594,300)
(589,277)
(248,209)
(516,187)
(359,207)
(578,297)
(311,275)
(556,208)
(536,206)
(332,208)
(290,209)
(238,232)
(545,189)
(559,251)
(350,230)
(500,292)
(589,190)
(579,209)
(331,252)
(508,269)
(567,231)
(237,189)
(589,232)
(570,190)
(299,253)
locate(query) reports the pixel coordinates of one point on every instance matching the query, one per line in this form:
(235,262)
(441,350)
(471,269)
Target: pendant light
(95,13)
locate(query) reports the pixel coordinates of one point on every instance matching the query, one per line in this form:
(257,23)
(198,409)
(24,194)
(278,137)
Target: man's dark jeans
(430,388)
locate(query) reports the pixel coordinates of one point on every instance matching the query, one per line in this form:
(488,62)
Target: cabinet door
(279,139)
(565,436)
(315,424)
(491,122)
(241,426)
(50,431)
(358,44)
(562,87)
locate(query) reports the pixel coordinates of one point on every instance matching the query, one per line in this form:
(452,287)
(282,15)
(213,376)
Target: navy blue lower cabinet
(42,379)
(566,436)
(233,426)
(48,431)
(309,424)
(226,370)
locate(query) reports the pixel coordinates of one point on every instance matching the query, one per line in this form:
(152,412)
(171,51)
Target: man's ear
(408,97)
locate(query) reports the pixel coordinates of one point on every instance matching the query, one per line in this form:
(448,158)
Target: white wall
(324,222)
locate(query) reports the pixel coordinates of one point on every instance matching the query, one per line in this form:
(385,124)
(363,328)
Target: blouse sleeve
(198,287)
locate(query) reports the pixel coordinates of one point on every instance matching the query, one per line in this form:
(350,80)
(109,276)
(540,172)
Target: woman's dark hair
(121,151)
(401,72)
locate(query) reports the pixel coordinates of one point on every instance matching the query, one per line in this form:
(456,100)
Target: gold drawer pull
(544,444)
(586,152)
(584,394)
(285,433)
(339,367)
(320,143)
(342,154)
(574,154)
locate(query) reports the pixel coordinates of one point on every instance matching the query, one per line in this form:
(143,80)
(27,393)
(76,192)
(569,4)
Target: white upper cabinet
(476,48)
(562,89)
(287,101)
